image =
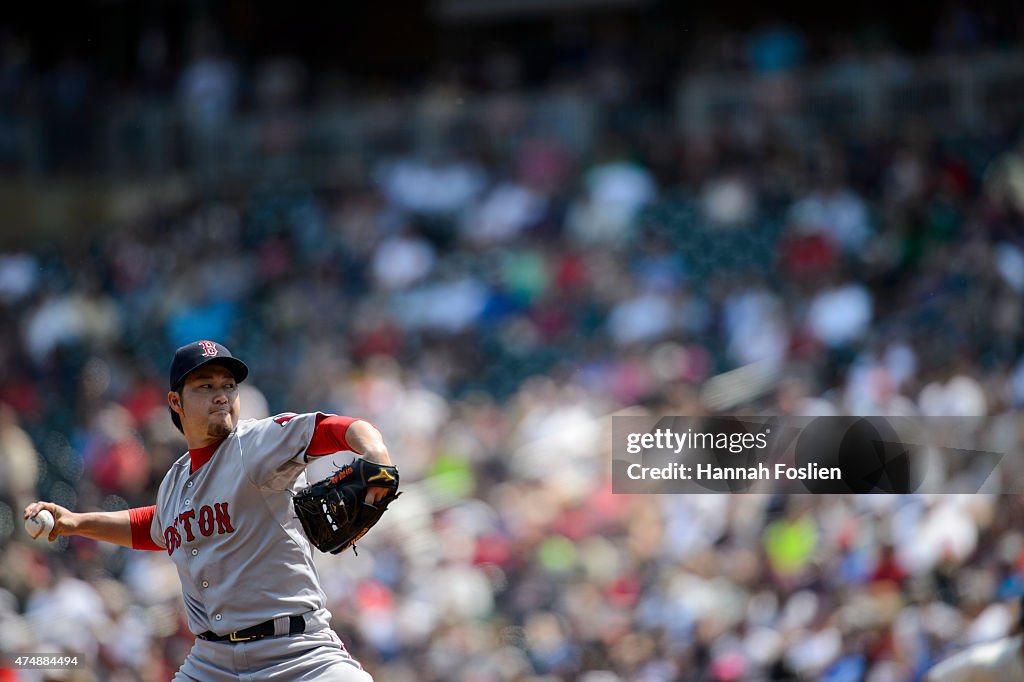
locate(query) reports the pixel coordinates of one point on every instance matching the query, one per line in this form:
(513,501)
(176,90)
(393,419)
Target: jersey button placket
(195,552)
(206,583)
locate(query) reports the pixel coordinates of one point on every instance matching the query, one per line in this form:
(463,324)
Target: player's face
(208,406)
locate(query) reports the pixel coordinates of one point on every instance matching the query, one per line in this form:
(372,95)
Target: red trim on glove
(142,519)
(329,435)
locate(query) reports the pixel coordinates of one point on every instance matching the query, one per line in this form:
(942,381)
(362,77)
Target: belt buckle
(235,638)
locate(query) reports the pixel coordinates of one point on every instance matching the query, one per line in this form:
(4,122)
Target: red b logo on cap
(209,349)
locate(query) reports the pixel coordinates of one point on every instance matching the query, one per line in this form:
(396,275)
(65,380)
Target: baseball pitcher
(237,518)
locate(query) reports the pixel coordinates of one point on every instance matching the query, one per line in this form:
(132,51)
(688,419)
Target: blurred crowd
(488,303)
(90,103)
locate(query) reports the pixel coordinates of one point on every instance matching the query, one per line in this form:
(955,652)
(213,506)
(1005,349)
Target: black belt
(296,626)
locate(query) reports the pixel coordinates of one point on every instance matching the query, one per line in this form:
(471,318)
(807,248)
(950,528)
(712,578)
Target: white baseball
(40,525)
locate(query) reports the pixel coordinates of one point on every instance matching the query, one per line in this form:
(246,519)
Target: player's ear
(174,401)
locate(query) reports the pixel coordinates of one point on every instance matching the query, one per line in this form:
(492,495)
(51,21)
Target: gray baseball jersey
(231,531)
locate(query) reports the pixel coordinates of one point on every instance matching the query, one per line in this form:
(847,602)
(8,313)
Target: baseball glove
(334,512)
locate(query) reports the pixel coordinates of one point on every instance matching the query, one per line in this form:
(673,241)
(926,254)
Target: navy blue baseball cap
(192,356)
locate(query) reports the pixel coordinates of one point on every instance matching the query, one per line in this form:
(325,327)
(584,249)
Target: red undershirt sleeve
(142,519)
(329,435)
